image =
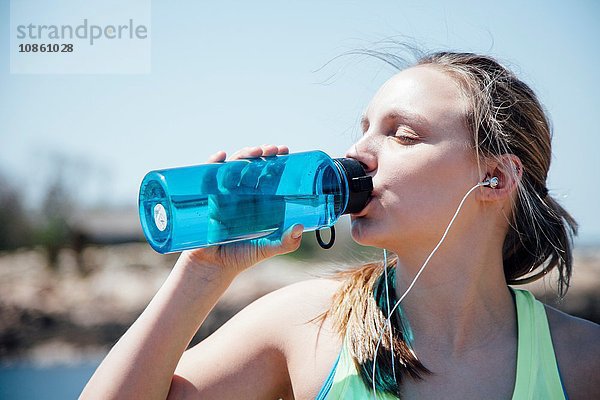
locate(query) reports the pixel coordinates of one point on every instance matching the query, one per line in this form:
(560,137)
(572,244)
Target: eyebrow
(404,116)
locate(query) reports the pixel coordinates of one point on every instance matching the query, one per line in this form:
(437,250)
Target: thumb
(289,242)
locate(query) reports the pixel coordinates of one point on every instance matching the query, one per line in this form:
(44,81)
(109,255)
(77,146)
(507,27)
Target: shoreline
(59,317)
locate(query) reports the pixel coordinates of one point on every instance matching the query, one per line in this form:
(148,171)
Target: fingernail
(297,231)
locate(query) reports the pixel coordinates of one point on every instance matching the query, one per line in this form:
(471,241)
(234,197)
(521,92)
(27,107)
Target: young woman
(453,127)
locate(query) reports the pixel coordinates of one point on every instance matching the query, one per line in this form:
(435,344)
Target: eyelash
(405,138)
(408,139)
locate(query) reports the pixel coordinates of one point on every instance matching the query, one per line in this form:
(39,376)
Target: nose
(364,152)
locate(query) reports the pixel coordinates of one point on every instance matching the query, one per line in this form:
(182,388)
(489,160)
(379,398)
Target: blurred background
(74,270)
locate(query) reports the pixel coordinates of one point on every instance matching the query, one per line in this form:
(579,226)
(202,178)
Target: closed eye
(405,135)
(406,139)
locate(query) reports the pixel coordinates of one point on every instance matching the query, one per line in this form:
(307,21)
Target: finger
(224,209)
(219,156)
(209,179)
(247,152)
(217,230)
(269,150)
(228,176)
(296,231)
(290,241)
(250,174)
(271,176)
(282,150)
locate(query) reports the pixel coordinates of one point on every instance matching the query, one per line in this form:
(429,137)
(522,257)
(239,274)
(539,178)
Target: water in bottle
(210,204)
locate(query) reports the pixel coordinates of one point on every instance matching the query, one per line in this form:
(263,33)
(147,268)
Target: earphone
(491,183)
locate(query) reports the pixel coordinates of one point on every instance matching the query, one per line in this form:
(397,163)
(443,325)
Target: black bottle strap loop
(331,239)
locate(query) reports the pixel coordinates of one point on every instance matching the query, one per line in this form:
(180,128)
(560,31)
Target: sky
(229,74)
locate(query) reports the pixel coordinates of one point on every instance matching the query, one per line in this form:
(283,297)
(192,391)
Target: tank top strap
(346,382)
(537,375)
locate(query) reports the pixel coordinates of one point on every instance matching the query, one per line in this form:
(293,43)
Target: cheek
(406,185)
(427,168)
(424,186)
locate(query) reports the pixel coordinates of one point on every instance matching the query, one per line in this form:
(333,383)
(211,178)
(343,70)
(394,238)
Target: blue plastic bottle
(211,204)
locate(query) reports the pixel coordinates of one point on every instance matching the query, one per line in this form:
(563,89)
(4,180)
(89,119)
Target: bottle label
(160,217)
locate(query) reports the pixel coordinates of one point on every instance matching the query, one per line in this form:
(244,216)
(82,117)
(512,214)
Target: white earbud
(492,182)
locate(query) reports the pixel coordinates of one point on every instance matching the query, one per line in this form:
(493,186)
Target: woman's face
(416,146)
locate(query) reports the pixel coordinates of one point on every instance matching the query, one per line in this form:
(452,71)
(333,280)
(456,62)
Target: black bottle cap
(359,184)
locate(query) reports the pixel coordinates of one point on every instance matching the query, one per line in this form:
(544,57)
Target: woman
(453,126)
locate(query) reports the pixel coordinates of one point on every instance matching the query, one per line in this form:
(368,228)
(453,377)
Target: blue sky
(230,74)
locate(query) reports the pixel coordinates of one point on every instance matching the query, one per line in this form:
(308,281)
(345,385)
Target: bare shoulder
(296,308)
(286,310)
(311,344)
(310,295)
(276,318)
(315,288)
(577,347)
(300,305)
(320,289)
(251,352)
(574,334)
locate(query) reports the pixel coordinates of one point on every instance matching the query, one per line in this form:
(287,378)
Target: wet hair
(504,117)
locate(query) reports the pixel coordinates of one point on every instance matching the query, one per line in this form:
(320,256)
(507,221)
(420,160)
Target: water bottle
(211,204)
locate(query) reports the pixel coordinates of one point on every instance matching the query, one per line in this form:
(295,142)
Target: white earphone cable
(389,318)
(391,312)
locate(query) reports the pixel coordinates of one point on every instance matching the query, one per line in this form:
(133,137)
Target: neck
(461,300)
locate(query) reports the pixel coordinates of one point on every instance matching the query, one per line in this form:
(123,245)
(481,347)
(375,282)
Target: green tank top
(537,371)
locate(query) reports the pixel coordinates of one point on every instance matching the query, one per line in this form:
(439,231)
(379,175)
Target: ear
(509,171)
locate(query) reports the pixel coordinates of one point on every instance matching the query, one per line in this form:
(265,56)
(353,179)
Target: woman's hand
(236,257)
(143,361)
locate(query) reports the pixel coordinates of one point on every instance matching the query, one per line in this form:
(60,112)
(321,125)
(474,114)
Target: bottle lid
(359,184)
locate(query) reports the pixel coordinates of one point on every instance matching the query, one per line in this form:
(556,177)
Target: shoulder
(253,348)
(278,318)
(310,294)
(298,327)
(270,320)
(315,288)
(577,347)
(294,305)
(572,335)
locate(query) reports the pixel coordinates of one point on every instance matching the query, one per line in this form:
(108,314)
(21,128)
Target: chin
(364,233)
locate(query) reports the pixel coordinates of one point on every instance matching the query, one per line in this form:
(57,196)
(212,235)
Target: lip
(363,212)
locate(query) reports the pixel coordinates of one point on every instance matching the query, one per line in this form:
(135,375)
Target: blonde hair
(358,313)
(504,117)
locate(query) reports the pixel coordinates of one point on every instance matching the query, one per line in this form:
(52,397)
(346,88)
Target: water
(212,219)
(191,207)
(30,382)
